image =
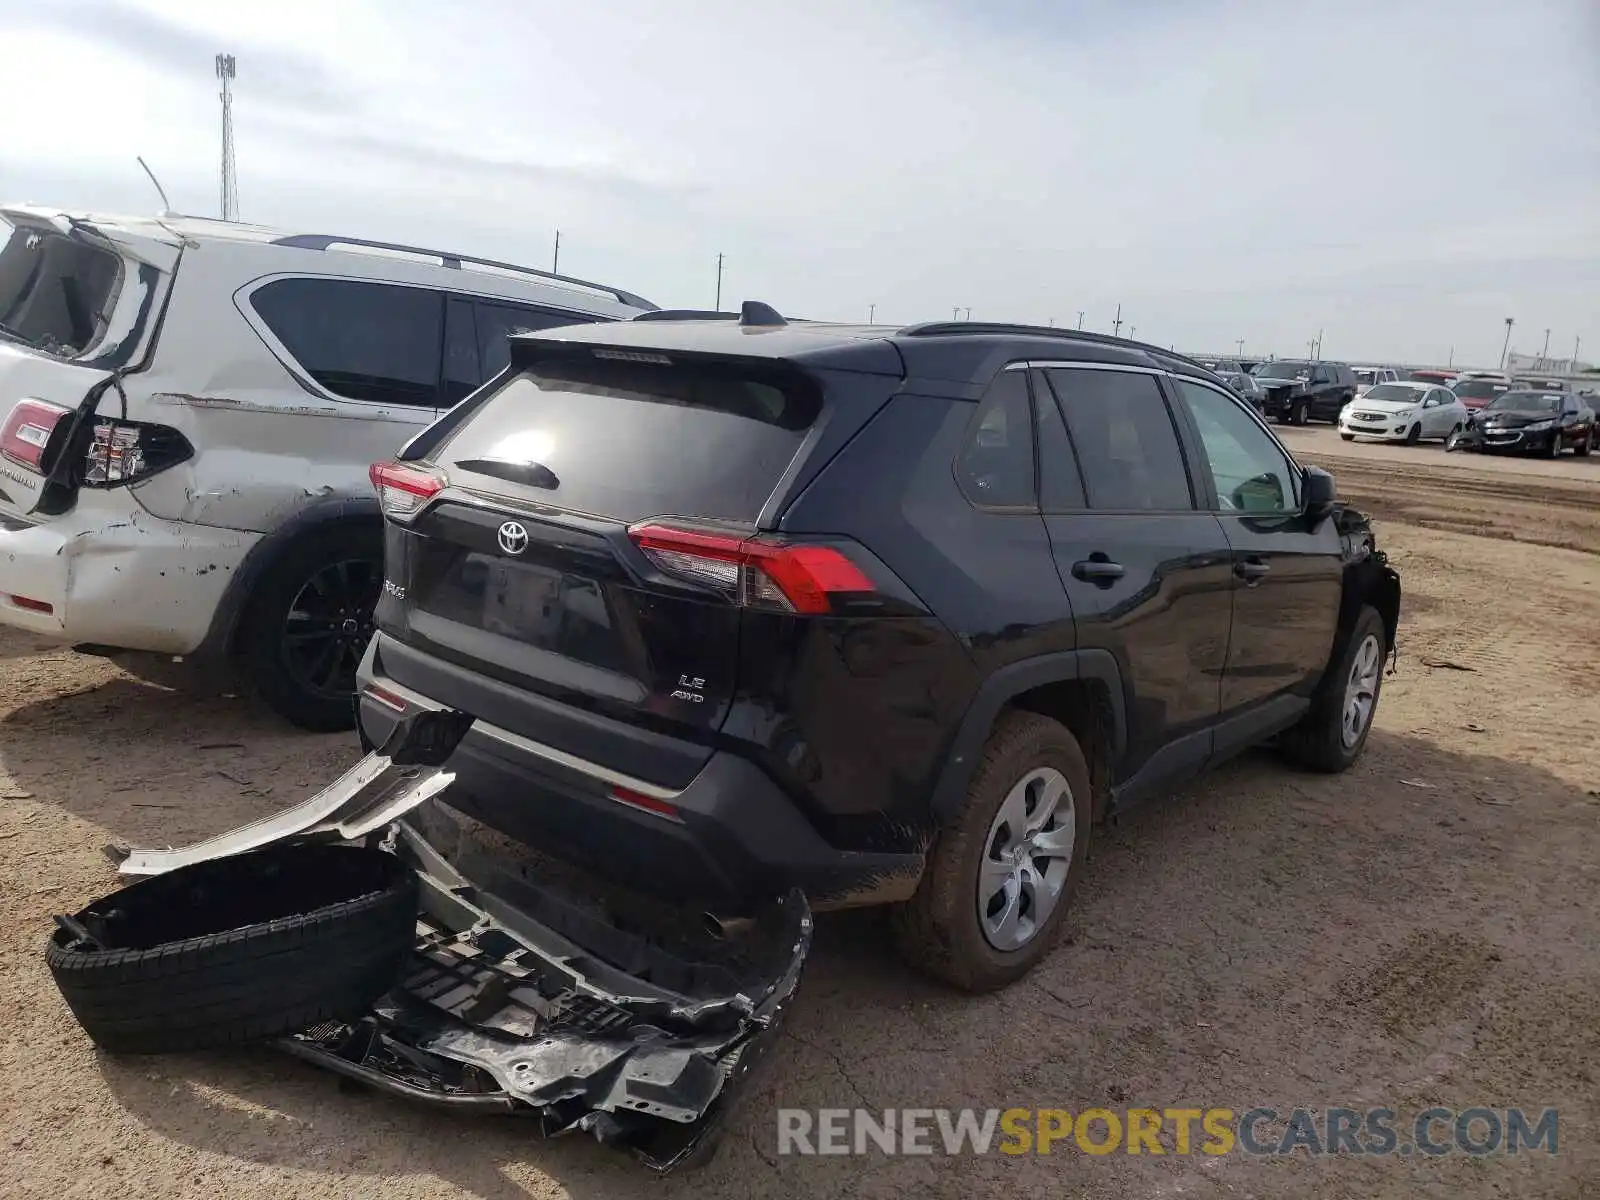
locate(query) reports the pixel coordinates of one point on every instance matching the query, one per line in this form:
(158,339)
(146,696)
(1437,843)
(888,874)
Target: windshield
(56,293)
(1527,402)
(1480,389)
(1283,369)
(1394,391)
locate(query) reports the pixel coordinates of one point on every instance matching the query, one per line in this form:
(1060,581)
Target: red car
(1476,393)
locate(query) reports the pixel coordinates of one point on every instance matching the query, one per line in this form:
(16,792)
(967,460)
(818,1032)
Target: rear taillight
(26,434)
(123,452)
(758,572)
(404,490)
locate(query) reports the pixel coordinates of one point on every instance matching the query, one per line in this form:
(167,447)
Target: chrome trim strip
(538,749)
(1076,365)
(572,762)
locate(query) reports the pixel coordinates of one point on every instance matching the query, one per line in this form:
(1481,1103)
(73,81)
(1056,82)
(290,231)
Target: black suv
(891,615)
(1297,392)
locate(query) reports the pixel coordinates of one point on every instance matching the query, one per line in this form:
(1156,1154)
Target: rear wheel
(309,623)
(998,879)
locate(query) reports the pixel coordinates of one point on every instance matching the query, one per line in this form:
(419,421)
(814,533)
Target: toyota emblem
(513,537)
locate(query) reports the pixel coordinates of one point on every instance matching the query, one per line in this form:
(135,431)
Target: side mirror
(1319,492)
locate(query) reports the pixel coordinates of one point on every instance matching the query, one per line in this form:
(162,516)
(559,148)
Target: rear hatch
(77,302)
(588,536)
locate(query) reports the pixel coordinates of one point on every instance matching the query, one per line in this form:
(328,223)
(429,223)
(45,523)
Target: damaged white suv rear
(188,409)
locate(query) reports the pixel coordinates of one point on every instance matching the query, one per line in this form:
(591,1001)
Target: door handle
(1098,569)
(1251,570)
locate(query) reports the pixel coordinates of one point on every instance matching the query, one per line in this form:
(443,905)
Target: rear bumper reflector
(32,605)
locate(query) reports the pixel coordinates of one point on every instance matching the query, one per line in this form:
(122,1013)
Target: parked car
(1528,422)
(1475,393)
(1429,375)
(1296,392)
(1367,377)
(738,606)
(1234,374)
(1404,412)
(193,407)
(1493,376)
(1540,384)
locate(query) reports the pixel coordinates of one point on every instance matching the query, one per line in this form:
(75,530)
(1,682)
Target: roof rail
(686,314)
(946,328)
(323,241)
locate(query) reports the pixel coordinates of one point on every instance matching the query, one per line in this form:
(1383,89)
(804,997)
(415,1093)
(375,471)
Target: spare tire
(238,949)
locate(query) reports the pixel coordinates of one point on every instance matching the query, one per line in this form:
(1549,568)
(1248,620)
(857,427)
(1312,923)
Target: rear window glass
(1479,389)
(630,440)
(56,293)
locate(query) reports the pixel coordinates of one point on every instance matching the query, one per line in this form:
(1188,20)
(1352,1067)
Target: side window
(497,322)
(1060,481)
(1249,471)
(995,467)
(364,341)
(461,373)
(1126,444)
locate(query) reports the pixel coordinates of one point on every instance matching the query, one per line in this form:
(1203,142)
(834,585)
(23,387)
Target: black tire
(1349,437)
(1452,439)
(1553,450)
(1414,434)
(239,949)
(938,930)
(1583,447)
(295,604)
(1301,414)
(1317,742)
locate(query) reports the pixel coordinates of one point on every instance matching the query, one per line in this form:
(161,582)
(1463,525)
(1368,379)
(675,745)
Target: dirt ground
(1421,931)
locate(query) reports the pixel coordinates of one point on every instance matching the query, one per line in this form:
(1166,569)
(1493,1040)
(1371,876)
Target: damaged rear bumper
(520,998)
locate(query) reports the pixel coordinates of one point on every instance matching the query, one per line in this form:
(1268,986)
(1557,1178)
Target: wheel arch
(1082,689)
(221,638)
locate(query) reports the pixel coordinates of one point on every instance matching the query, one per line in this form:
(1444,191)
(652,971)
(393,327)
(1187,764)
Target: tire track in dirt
(1507,507)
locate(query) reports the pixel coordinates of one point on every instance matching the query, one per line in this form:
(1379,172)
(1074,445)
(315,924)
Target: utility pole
(227,67)
(555,259)
(1080,318)
(1505,349)
(872,314)
(1452,361)
(1116,326)
(1545,353)
(1576,342)
(955,312)
(1132,329)
(717,307)
(1240,344)
(968,317)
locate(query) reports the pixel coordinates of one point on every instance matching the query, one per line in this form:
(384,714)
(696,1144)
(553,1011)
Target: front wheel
(1453,442)
(309,622)
(1331,736)
(1554,449)
(1302,413)
(1414,434)
(1349,437)
(1582,448)
(998,879)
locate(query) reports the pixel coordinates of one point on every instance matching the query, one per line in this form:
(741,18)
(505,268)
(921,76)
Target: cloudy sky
(1402,175)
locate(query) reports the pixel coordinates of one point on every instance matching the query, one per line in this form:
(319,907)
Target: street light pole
(717,307)
(1080,318)
(872,314)
(1241,347)
(1545,353)
(1116,326)
(1506,349)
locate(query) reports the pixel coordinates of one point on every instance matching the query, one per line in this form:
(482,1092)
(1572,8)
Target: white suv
(188,409)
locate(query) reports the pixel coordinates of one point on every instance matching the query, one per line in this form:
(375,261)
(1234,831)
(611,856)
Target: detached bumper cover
(518,1000)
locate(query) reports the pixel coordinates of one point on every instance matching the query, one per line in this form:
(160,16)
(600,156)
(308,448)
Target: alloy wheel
(328,625)
(1361,691)
(1026,857)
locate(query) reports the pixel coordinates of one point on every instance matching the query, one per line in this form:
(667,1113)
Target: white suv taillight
(404,489)
(26,434)
(122,452)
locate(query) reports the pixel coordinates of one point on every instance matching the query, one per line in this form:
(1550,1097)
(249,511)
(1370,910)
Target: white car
(188,412)
(1403,412)
(1369,377)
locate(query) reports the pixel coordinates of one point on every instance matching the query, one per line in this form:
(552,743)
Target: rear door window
(363,341)
(1126,442)
(630,440)
(497,322)
(462,374)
